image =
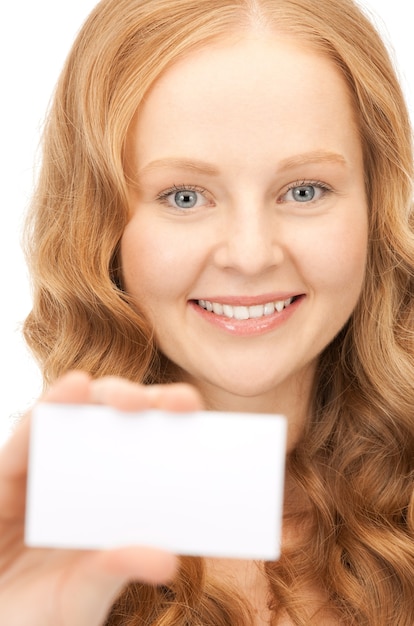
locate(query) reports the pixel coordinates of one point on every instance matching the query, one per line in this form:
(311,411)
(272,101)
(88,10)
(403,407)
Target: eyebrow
(317,156)
(202,167)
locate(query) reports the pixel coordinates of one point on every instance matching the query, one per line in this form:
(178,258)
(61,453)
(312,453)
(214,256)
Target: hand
(45,587)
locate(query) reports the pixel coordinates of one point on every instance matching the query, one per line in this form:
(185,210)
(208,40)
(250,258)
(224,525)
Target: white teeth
(256,311)
(241,312)
(245,312)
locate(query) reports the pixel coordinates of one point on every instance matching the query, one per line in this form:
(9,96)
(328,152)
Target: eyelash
(324,188)
(163,196)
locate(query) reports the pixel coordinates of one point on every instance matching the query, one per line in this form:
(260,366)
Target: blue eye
(183,197)
(304,192)
(186,199)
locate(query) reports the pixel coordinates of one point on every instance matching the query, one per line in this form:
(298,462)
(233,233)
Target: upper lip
(251,300)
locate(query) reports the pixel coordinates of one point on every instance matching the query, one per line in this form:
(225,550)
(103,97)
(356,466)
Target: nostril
(249,252)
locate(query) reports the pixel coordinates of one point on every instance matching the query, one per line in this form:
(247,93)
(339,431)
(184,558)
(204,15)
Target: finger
(176,397)
(128,396)
(104,574)
(72,388)
(146,564)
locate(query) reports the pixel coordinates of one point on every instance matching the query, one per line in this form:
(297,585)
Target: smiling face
(247,240)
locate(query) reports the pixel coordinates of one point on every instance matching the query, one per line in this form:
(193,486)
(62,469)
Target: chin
(244,395)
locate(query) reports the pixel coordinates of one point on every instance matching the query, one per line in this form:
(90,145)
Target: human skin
(247,130)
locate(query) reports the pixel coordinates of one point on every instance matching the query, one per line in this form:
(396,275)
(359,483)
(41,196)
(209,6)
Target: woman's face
(247,241)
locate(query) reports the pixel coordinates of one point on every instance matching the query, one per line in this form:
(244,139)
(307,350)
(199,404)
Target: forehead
(266,92)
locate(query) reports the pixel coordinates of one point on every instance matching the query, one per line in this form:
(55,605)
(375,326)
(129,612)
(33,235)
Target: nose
(251,242)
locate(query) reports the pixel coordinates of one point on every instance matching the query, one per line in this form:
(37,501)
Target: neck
(291,399)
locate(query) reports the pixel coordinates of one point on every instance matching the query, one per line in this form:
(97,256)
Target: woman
(226,197)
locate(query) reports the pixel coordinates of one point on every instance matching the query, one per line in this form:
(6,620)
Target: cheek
(335,259)
(155,263)
(143,259)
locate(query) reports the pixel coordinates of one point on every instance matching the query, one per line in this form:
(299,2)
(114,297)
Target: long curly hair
(354,465)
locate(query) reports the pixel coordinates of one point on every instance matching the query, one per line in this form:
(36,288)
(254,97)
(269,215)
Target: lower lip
(250,327)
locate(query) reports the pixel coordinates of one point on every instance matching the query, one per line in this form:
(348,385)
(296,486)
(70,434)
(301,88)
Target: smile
(245,312)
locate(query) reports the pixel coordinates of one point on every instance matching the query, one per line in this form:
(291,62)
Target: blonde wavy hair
(355,463)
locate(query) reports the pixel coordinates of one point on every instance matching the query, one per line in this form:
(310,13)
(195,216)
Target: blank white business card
(204,483)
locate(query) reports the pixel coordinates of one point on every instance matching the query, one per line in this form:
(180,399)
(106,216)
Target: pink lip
(250,327)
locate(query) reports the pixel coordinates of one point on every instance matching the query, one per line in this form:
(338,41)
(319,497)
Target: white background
(35,37)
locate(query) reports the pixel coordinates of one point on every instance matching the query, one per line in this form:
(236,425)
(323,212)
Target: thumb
(102,576)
